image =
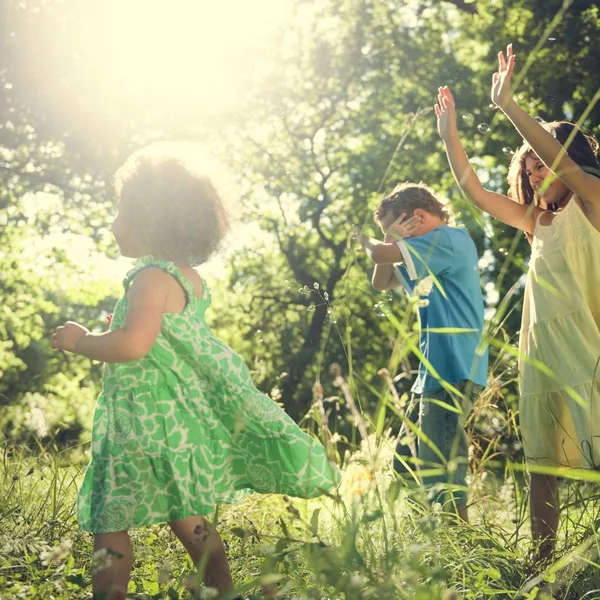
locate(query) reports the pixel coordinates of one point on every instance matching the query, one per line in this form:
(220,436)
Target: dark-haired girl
(179,426)
(555,199)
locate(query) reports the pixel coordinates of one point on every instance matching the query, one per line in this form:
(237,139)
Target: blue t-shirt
(448,256)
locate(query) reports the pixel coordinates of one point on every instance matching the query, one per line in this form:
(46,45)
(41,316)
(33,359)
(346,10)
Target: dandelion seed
(380,309)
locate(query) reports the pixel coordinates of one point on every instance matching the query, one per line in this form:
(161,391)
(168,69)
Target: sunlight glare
(179,54)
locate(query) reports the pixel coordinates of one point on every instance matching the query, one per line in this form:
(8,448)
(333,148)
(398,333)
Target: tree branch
(468,7)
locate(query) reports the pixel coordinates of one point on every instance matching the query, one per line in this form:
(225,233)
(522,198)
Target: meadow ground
(372,539)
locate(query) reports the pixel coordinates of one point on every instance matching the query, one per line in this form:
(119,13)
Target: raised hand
(362,239)
(402,228)
(501,81)
(446,113)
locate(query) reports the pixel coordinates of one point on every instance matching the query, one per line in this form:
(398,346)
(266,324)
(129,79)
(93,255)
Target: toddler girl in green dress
(179,426)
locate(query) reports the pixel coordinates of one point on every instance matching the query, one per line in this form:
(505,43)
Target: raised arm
(499,206)
(386,254)
(547,148)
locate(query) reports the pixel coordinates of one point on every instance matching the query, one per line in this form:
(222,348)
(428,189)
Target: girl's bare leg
(544,514)
(111,583)
(203,544)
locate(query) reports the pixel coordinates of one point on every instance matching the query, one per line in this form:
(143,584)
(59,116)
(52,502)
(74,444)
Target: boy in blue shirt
(429,258)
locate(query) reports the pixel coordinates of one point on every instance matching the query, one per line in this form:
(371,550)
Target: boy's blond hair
(407,197)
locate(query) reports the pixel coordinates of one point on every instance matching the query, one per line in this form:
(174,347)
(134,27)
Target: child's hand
(401,229)
(446,114)
(501,84)
(67,336)
(360,237)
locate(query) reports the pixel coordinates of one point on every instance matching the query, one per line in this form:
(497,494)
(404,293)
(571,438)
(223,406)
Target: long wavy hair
(583,149)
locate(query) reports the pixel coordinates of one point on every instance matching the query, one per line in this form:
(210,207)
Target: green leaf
(374,516)
(284,528)
(78,580)
(281,545)
(239,532)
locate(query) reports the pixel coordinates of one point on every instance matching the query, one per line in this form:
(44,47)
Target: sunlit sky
(158,56)
(170,54)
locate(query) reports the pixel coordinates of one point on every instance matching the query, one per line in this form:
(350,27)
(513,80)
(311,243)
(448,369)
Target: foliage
(338,112)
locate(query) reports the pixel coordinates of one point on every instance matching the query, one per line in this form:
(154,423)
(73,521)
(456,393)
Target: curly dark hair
(174,208)
(407,197)
(583,149)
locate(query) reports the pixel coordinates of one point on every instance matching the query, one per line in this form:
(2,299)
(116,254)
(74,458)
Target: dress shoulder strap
(149,261)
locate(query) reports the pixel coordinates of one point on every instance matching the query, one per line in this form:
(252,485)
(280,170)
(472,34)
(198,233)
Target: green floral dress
(184,429)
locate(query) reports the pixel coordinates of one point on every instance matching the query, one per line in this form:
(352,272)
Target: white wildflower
(36,421)
(266,550)
(356,479)
(101,560)
(336,438)
(165,572)
(316,285)
(276,394)
(424,287)
(423,303)
(53,556)
(326,296)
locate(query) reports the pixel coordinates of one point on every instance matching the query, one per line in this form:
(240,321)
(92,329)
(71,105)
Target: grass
(373,539)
